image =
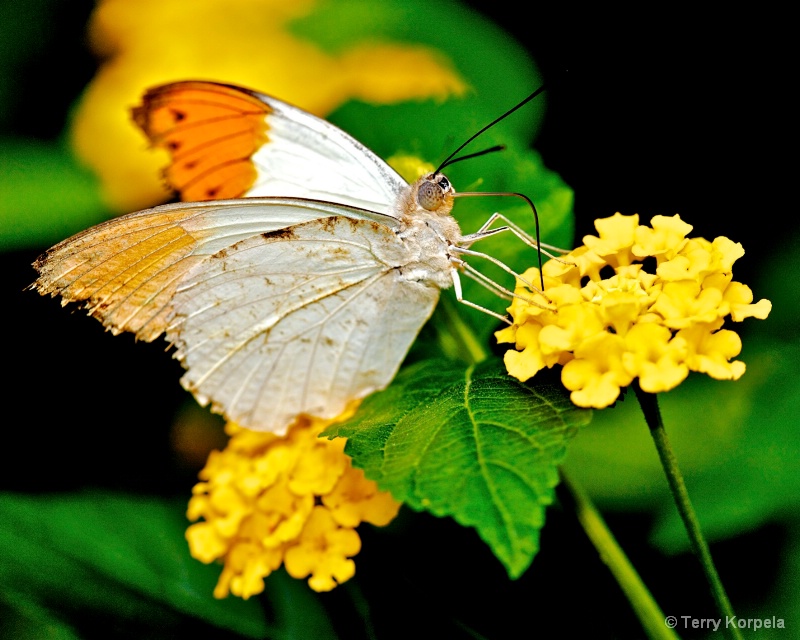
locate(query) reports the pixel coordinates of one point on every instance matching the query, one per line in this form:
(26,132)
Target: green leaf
(498,70)
(23,619)
(45,195)
(468,442)
(779,281)
(117,556)
(786,600)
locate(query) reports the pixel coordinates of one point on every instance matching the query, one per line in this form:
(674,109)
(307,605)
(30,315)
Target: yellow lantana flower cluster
(608,320)
(295,500)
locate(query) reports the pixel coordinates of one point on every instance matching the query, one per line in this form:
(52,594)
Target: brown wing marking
(211,132)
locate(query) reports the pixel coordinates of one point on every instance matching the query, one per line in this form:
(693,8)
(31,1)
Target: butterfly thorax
(429,230)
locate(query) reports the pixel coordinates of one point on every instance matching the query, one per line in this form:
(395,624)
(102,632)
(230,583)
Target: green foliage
(69,551)
(468,442)
(499,72)
(45,195)
(27,620)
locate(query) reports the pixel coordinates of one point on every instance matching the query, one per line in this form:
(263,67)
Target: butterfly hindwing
(301,320)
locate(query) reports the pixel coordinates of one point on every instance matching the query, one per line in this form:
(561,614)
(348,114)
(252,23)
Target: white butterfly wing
(126,270)
(298,321)
(229,142)
(310,158)
(277,306)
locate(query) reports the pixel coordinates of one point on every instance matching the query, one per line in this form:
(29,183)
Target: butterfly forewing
(229,142)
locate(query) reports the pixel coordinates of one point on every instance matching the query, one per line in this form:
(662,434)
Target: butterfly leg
(485,232)
(470,269)
(462,300)
(487,283)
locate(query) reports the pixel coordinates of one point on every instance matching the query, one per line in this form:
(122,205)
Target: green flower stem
(458,340)
(645,607)
(652,414)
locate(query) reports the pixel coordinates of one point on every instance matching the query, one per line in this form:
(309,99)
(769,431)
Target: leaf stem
(637,593)
(652,414)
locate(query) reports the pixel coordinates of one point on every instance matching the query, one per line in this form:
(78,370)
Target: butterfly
(298,274)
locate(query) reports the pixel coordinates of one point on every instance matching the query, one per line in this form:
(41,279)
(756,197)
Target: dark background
(650,114)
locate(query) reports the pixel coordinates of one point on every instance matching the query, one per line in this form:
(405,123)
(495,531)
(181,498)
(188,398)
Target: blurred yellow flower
(144,43)
(268,500)
(608,330)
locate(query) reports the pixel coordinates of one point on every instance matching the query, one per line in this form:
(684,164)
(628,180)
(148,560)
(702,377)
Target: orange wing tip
(211,131)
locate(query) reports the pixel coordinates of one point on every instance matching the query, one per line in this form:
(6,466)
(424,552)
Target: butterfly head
(434,193)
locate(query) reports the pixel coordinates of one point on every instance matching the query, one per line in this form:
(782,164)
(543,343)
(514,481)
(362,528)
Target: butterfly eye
(431,192)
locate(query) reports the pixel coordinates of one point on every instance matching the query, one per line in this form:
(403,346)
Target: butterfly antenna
(449,160)
(498,147)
